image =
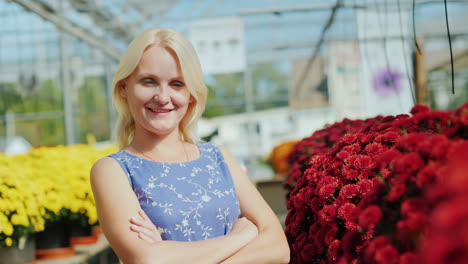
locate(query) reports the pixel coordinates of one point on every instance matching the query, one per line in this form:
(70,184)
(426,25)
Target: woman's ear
(122,89)
(192,99)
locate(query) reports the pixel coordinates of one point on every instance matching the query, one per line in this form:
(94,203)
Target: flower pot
(81,234)
(53,242)
(83,240)
(76,229)
(97,231)
(54,253)
(17,255)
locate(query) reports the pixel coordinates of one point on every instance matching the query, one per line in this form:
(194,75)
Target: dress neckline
(200,155)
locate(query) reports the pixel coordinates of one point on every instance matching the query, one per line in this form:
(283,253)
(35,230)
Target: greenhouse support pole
(10,125)
(109,94)
(249,110)
(67,91)
(420,75)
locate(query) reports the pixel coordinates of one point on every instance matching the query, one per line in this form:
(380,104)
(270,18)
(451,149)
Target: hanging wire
(366,39)
(403,48)
(318,47)
(385,31)
(450,47)
(383,28)
(414,27)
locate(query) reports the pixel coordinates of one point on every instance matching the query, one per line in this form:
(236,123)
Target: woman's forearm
(208,251)
(267,247)
(212,250)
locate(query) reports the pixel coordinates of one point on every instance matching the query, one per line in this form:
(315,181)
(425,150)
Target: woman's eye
(148,81)
(178,84)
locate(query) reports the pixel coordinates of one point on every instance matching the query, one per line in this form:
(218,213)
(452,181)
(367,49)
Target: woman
(205,208)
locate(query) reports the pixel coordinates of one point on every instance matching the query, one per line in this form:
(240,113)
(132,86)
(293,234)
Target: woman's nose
(162,94)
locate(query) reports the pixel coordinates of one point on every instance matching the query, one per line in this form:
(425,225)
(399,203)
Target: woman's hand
(245,226)
(145,229)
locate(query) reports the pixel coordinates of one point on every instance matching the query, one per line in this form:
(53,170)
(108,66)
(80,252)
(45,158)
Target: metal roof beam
(103,18)
(50,14)
(324,7)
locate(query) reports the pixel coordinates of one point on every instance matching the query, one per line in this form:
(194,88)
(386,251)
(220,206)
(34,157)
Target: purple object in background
(387,82)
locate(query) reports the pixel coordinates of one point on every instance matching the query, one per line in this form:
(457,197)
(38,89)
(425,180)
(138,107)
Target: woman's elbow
(286,257)
(141,257)
(284,253)
(143,260)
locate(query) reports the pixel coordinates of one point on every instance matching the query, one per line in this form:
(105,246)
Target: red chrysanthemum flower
(326,191)
(408,258)
(419,109)
(413,205)
(369,217)
(408,163)
(427,175)
(349,138)
(353,148)
(411,226)
(327,214)
(351,174)
(348,212)
(343,154)
(397,190)
(331,234)
(349,192)
(384,158)
(387,255)
(333,250)
(389,137)
(374,148)
(364,162)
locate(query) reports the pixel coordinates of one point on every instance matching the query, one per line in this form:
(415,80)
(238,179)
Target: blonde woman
(165,197)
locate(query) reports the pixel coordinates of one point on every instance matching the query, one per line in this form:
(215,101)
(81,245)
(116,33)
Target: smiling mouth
(159,110)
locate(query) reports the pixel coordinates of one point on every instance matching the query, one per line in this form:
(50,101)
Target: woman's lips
(159,110)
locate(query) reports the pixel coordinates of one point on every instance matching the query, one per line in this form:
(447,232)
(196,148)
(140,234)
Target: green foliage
(90,110)
(225,95)
(437,98)
(270,86)
(9,96)
(226,92)
(213,108)
(93,117)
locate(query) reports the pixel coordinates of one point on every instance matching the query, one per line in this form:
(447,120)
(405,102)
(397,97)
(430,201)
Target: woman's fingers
(137,220)
(244,225)
(145,229)
(142,233)
(146,238)
(143,215)
(147,235)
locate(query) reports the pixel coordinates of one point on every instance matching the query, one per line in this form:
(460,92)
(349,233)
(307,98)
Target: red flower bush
(382,193)
(319,142)
(446,238)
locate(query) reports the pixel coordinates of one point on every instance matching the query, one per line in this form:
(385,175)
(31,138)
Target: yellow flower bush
(43,185)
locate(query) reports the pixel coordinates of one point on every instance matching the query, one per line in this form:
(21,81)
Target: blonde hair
(191,71)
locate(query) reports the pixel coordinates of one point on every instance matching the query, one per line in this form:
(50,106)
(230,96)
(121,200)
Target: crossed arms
(257,238)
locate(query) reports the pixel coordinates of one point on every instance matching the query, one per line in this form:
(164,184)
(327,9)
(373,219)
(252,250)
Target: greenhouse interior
(349,117)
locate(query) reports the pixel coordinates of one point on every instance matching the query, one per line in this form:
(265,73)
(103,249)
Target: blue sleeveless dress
(188,201)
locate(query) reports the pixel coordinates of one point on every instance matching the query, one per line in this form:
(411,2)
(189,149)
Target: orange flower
(279,156)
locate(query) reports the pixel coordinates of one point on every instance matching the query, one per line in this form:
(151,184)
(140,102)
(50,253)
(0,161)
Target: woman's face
(156,93)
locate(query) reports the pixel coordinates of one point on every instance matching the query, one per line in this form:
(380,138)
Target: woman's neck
(166,148)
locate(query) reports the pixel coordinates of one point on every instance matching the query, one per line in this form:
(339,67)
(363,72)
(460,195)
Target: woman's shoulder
(104,164)
(209,146)
(212,147)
